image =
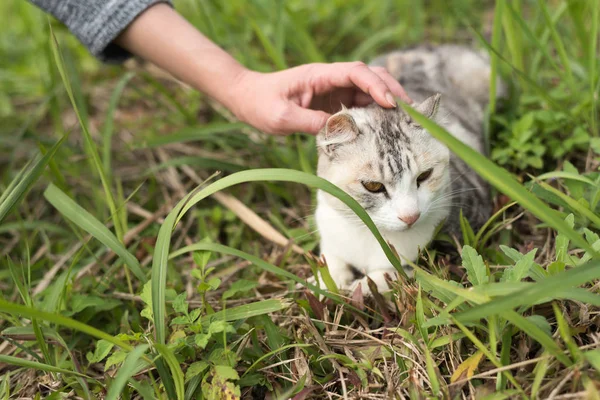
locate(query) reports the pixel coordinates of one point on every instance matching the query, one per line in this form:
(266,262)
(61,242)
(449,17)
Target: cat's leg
(378,277)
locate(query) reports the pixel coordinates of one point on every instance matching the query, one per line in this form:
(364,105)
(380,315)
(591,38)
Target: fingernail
(390,98)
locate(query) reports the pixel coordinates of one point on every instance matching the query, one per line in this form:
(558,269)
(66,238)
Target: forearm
(184,52)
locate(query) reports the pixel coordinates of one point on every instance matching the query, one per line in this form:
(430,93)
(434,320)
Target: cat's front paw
(379,279)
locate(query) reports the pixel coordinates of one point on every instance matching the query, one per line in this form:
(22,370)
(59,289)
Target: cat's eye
(424,176)
(374,187)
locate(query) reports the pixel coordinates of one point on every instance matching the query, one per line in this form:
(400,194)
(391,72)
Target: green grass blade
(532,38)
(481,347)
(207,131)
(108,128)
(538,335)
(593,66)
(37,365)
(175,368)
(130,367)
(276,351)
(289,175)
(574,204)
(28,312)
(558,43)
(87,136)
(554,284)
(198,162)
(513,41)
(19,187)
(567,175)
(248,311)
(274,54)
(501,180)
(86,221)
(496,36)
(539,89)
(376,41)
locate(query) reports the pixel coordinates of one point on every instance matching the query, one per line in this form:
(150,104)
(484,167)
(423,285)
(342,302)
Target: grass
(124,274)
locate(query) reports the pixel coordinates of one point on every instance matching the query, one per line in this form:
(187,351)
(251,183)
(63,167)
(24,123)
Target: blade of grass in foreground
(501,180)
(161,250)
(60,64)
(551,286)
(37,365)
(19,187)
(175,368)
(130,367)
(86,221)
(28,312)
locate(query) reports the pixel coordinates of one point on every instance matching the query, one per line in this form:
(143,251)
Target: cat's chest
(354,244)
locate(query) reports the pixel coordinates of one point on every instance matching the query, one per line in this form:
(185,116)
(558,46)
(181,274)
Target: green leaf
(521,269)
(196,369)
(201,259)
(226,372)
(201,340)
(116,358)
(146,297)
(239,286)
(80,302)
(473,263)
(180,303)
(102,349)
(86,221)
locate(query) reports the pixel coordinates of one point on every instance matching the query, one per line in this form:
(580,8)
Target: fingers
(394,86)
(297,119)
(380,85)
(361,99)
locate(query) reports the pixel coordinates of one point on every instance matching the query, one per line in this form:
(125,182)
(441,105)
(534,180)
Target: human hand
(301,99)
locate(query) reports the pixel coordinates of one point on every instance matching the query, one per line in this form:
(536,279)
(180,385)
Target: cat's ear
(339,129)
(429,106)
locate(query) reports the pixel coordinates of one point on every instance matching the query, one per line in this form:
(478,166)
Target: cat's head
(392,166)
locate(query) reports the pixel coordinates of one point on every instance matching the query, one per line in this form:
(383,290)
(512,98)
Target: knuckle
(357,64)
(280,118)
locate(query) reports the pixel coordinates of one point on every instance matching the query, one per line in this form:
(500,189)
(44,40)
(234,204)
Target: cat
(407,181)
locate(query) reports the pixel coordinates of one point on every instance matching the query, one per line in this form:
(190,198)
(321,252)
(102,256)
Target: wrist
(237,93)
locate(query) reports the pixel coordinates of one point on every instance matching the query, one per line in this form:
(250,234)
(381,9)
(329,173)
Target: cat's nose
(409,219)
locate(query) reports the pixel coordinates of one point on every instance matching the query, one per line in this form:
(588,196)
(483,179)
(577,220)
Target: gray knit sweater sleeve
(96,23)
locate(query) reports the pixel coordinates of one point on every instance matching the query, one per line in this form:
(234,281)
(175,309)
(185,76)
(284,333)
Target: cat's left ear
(339,129)
(429,106)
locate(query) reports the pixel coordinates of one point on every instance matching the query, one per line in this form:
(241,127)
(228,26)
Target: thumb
(304,120)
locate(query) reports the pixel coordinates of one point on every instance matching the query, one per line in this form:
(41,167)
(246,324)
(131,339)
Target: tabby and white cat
(405,179)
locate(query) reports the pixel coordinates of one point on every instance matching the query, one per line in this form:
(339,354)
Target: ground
(106,293)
